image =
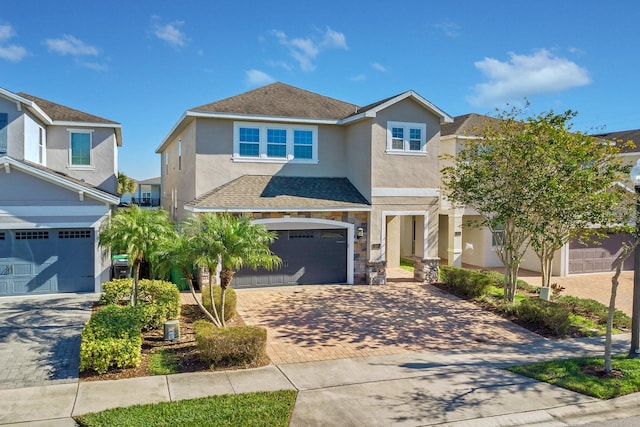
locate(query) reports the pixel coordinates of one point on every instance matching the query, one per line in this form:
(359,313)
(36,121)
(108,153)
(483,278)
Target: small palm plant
(233,242)
(135,232)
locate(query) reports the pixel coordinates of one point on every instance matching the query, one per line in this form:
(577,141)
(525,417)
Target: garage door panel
(308,257)
(594,258)
(46,261)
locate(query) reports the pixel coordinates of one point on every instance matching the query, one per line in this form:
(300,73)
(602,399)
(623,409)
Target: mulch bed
(186,349)
(598,371)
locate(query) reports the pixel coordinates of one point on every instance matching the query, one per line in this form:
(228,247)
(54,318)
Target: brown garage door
(595,258)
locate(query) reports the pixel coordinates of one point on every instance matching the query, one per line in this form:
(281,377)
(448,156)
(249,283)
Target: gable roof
(52,113)
(467,124)
(265,193)
(58,178)
(621,137)
(281,100)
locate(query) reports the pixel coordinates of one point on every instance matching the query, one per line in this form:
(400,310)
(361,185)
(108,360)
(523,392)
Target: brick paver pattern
(323,322)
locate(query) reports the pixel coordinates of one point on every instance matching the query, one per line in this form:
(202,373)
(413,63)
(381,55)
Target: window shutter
(4,119)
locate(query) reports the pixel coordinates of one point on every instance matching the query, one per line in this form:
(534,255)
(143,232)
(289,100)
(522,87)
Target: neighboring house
(348,189)
(460,244)
(146,194)
(58,181)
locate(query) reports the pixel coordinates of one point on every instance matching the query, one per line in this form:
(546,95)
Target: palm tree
(241,244)
(137,233)
(126,185)
(205,251)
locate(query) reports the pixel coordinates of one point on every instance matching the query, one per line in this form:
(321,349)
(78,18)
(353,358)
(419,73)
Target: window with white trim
(4,121)
(166,163)
(275,142)
(406,138)
(80,149)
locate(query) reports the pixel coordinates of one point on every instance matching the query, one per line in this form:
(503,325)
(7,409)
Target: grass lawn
(249,409)
(586,375)
(406,264)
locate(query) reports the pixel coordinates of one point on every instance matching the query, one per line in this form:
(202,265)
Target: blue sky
(143,63)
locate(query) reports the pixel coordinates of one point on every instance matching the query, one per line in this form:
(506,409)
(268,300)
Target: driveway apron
(40,338)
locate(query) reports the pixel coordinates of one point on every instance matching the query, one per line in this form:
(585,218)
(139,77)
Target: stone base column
(426,270)
(377,272)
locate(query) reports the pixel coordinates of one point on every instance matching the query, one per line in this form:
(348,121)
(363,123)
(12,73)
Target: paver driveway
(309,323)
(40,338)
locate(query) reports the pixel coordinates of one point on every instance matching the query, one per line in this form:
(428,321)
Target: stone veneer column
(377,272)
(426,270)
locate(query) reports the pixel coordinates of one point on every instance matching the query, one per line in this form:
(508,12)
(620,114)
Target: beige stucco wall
(405,171)
(476,245)
(358,150)
(216,167)
(179,182)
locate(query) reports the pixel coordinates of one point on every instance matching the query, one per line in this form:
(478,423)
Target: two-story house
(58,183)
(473,246)
(146,195)
(348,189)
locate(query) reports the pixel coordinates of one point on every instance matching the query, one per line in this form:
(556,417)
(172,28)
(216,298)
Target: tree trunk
(226,276)
(612,309)
(213,301)
(134,287)
(189,277)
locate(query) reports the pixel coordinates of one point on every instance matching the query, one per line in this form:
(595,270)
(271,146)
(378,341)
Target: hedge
(158,300)
(468,283)
(235,346)
(111,338)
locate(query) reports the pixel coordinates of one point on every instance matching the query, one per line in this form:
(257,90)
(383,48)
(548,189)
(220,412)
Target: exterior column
(454,252)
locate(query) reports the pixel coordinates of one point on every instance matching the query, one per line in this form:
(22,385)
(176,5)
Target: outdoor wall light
(359,232)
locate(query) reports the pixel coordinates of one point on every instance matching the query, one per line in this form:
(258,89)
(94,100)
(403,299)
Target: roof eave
(96,194)
(196,209)
(31,106)
(117,127)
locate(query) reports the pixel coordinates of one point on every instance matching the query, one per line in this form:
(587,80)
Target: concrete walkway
(454,388)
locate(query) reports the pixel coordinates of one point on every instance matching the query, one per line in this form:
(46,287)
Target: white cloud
(334,39)
(524,76)
(305,50)
(379,67)
(95,66)
(69,45)
(258,78)
(169,33)
(449,29)
(10,52)
(358,78)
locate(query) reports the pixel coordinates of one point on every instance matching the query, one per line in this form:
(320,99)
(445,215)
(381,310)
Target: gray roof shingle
(281,100)
(467,124)
(621,138)
(263,192)
(59,112)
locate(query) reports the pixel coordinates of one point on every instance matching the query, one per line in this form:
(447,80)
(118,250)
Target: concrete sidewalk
(455,388)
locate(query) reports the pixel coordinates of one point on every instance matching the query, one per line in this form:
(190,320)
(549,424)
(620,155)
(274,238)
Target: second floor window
(80,150)
(275,142)
(406,138)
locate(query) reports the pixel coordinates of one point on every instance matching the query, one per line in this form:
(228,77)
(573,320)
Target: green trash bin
(178,277)
(120,267)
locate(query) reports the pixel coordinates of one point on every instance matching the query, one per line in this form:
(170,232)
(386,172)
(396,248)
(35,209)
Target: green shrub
(232,346)
(230,300)
(594,310)
(111,338)
(116,291)
(158,300)
(467,283)
(551,316)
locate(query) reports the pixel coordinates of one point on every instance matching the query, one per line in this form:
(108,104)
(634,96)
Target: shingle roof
(263,192)
(467,124)
(59,112)
(279,99)
(621,137)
